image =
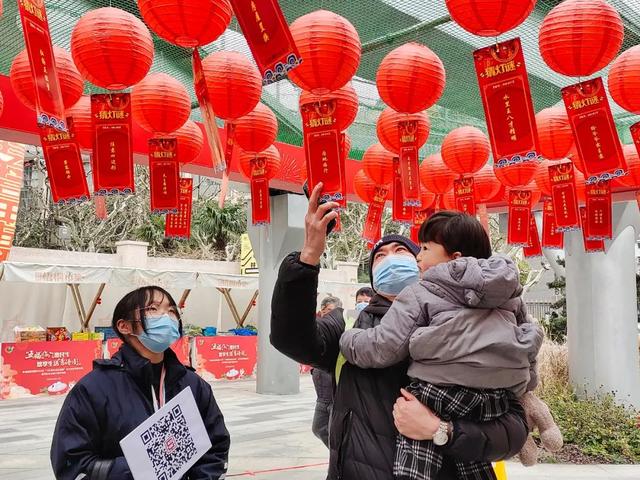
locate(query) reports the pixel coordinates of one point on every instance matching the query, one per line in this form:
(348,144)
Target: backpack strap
(349,322)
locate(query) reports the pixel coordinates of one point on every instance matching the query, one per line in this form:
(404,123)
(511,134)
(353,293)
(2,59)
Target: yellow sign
(501,470)
(248,263)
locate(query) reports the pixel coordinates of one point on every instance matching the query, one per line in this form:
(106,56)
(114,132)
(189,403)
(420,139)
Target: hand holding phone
(332,224)
(319,221)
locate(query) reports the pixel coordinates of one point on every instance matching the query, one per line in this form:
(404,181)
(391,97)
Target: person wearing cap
(368,409)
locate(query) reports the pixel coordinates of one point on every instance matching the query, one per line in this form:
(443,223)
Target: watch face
(440,438)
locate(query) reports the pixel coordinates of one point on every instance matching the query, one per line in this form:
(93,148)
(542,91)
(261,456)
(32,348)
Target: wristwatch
(441,436)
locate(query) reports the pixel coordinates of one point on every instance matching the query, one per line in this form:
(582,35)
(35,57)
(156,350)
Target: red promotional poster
(373,222)
(409,166)
(590,246)
(323,150)
(37,39)
(534,249)
(181,348)
(50,368)
(463,192)
(564,196)
(551,237)
(64,166)
(164,175)
(594,130)
(101,207)
(268,36)
(519,217)
(599,224)
(208,115)
(260,202)
(401,212)
(11,170)
(506,97)
(229,358)
(112,160)
(178,225)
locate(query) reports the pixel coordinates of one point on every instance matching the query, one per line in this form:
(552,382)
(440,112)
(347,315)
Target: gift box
(30,334)
(58,334)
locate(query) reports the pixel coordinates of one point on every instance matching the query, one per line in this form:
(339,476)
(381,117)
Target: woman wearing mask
(121,393)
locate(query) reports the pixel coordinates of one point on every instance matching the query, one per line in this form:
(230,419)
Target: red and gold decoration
(377,163)
(551,237)
(164,172)
(422,214)
(624,80)
(464,197)
(486,187)
(489,18)
(519,229)
(190,142)
(375,196)
(400,212)
(590,246)
(562,181)
(436,176)
(257,130)
(259,168)
(465,150)
(346,104)
(178,225)
(80,116)
(599,224)
(555,137)
(534,248)
(11,170)
(516,175)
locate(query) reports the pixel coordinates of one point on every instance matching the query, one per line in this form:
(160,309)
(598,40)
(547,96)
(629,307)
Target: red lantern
(187,23)
(435,175)
(112,48)
(518,175)
(346,104)
(330,49)
(624,80)
(388,124)
(447,201)
(575,157)
(489,18)
(71,83)
(427,199)
(632,179)
(257,130)
(542,178)
(160,104)
(377,163)
(364,187)
(411,78)
(465,150)
(555,137)
(272,166)
(82,122)
(580,37)
(190,141)
(233,82)
(485,184)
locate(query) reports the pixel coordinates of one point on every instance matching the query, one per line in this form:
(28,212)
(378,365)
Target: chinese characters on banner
(229,358)
(260,202)
(551,237)
(594,130)
(506,97)
(101,207)
(345,148)
(564,196)
(164,173)
(419,217)
(11,168)
(372,230)
(534,249)
(323,149)
(599,224)
(178,225)
(64,166)
(48,96)
(590,246)
(268,36)
(463,192)
(112,158)
(519,218)
(401,212)
(409,167)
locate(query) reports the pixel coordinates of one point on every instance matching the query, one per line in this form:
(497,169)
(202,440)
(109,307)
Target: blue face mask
(162,332)
(361,306)
(394,273)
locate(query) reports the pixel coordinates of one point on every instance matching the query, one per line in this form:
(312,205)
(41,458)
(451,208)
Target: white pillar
(277,374)
(602,311)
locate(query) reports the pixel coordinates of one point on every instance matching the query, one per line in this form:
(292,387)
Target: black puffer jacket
(362,435)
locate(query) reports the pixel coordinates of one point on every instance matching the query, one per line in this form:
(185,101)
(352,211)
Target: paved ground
(271,439)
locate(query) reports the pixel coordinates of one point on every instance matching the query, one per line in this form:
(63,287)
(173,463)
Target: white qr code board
(168,443)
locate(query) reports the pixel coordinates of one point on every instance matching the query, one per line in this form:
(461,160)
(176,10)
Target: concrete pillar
(602,311)
(277,374)
(132,254)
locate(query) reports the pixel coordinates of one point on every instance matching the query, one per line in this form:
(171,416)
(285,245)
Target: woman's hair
(456,232)
(138,301)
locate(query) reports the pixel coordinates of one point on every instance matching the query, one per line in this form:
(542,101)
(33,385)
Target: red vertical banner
(112,159)
(323,150)
(419,217)
(564,196)
(401,213)
(463,193)
(164,174)
(260,202)
(594,130)
(551,237)
(37,39)
(373,223)
(338,227)
(11,170)
(345,147)
(534,249)
(178,225)
(599,224)
(519,217)
(590,246)
(506,97)
(409,166)
(228,153)
(100,205)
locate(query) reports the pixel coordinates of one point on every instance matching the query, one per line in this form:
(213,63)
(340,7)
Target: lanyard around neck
(158,402)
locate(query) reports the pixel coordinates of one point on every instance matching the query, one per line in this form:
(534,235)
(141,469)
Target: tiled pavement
(270,436)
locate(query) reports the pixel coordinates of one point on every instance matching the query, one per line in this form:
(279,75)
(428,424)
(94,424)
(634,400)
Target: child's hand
(413,419)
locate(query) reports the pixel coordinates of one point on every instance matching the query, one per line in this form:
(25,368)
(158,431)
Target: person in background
(363,297)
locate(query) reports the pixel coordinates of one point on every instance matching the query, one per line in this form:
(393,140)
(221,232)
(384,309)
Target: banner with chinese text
(590,246)
(373,221)
(534,249)
(551,237)
(519,217)
(599,224)
(401,212)
(229,358)
(463,192)
(178,225)
(181,348)
(11,170)
(409,166)
(564,196)
(164,173)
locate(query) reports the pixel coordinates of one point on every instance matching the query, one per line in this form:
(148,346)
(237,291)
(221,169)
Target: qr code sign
(169,444)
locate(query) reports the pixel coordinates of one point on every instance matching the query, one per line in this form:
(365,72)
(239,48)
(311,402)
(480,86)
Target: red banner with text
(181,348)
(590,246)
(409,166)
(401,212)
(372,230)
(100,205)
(178,225)
(11,170)
(260,202)
(551,237)
(564,196)
(464,195)
(534,249)
(164,175)
(599,224)
(229,358)
(519,217)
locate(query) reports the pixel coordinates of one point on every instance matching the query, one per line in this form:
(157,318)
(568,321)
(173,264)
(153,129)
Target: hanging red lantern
(435,175)
(489,18)
(465,150)
(330,49)
(411,78)
(260,168)
(632,178)
(257,130)
(21,80)
(234,84)
(271,167)
(555,137)
(377,163)
(112,48)
(190,141)
(447,201)
(187,23)
(82,122)
(346,104)
(536,194)
(160,104)
(517,175)
(624,80)
(542,178)
(388,125)
(427,198)
(485,184)
(580,37)
(364,187)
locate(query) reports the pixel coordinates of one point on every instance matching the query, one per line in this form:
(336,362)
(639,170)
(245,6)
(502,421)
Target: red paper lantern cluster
(465,150)
(257,130)
(82,122)
(160,104)
(632,179)
(435,175)
(485,185)
(270,154)
(112,48)
(542,178)
(346,104)
(555,137)
(580,37)
(330,49)
(71,84)
(517,176)
(377,163)
(187,23)
(624,80)
(364,187)
(190,141)
(411,78)
(388,124)
(233,82)
(489,18)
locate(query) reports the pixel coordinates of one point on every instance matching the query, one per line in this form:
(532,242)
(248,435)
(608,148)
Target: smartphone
(332,224)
